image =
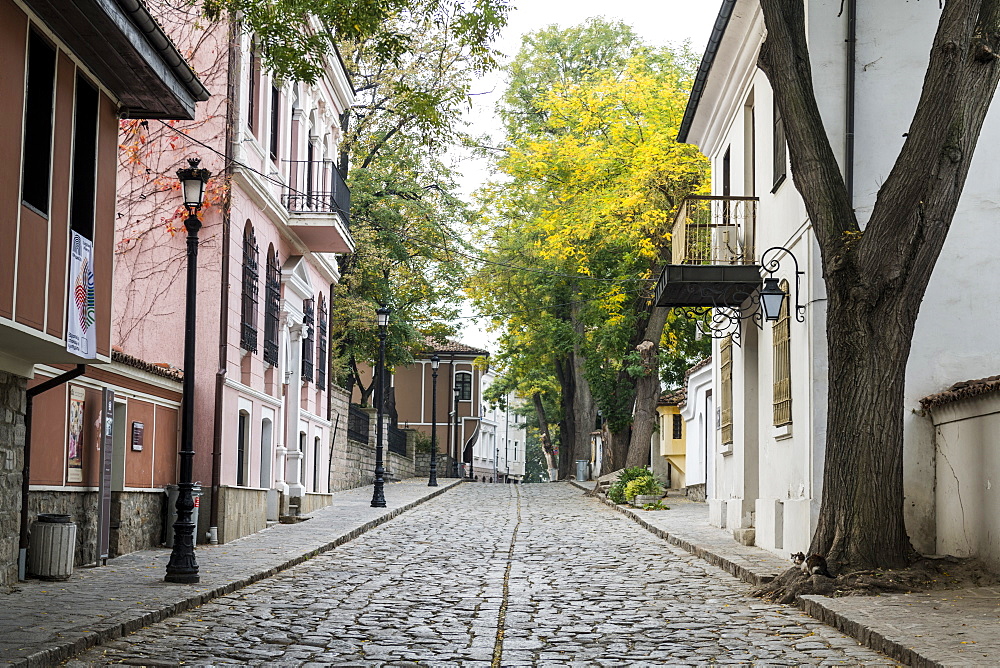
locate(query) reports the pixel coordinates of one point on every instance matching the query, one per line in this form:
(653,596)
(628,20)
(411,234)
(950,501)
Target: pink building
(275,221)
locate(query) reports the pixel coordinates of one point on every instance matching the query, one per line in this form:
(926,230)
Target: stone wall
(12,405)
(81,507)
(136,521)
(695,492)
(242,511)
(313,502)
(353,461)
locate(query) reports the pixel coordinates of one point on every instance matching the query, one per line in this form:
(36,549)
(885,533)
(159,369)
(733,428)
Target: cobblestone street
(566,579)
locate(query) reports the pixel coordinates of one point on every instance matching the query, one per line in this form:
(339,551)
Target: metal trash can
(168,527)
(581,470)
(52,547)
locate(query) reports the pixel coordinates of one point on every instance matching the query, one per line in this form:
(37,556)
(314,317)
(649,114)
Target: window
(678,426)
(316,463)
(241,449)
(272,304)
(251,274)
(780,156)
(275,118)
(308,341)
(463,381)
(38,104)
(726,373)
(253,87)
(84,159)
(781,337)
(321,357)
(266,427)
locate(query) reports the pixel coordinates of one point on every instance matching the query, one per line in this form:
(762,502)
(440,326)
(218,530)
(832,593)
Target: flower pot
(641,500)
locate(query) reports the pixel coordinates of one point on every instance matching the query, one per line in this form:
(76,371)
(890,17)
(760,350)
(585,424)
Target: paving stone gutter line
(757,566)
(69,640)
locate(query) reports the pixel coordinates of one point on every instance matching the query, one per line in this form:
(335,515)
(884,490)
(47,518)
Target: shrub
(616,492)
(643,486)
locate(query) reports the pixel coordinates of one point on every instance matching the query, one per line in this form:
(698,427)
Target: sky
(658,22)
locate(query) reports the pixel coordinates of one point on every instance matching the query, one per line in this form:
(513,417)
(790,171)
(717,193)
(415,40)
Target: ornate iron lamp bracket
(770,264)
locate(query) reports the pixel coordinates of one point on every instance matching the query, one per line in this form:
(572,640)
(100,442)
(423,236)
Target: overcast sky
(658,22)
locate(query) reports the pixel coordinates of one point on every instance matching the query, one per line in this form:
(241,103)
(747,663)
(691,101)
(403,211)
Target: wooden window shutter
(726,409)
(781,335)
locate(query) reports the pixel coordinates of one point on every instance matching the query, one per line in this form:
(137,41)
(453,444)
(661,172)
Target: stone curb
(66,648)
(733,568)
(814,606)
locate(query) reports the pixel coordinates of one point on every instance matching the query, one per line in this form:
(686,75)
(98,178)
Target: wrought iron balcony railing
(714,230)
(316,186)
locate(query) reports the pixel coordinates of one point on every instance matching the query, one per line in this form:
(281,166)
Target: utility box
(171,519)
(52,547)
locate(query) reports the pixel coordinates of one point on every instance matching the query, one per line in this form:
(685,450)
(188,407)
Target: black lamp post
(458,445)
(435,363)
(378,496)
(183,566)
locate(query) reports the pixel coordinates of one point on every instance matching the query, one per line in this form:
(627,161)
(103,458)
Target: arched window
(781,338)
(251,274)
(322,361)
(463,381)
(317,460)
(266,434)
(242,461)
(272,303)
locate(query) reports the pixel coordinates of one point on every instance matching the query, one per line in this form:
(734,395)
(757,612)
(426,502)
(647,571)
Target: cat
(814,565)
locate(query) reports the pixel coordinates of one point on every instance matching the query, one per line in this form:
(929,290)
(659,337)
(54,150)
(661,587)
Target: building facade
(499,453)
(63,93)
(766,453)
(276,219)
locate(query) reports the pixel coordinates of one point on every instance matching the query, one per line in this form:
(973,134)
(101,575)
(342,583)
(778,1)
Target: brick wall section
(12,405)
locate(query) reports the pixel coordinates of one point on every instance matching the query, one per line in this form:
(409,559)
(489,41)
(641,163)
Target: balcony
(713,258)
(319,206)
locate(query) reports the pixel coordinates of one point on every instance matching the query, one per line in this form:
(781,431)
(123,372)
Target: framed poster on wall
(74,444)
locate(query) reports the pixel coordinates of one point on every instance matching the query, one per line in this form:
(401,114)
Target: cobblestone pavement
(566,579)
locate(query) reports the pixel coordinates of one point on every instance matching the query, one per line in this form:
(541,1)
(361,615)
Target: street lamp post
(435,363)
(378,496)
(183,566)
(458,445)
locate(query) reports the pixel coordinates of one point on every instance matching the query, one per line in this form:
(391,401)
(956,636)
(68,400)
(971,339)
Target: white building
(499,454)
(766,446)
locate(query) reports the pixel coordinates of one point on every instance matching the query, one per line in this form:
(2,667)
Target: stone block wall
(82,508)
(12,404)
(136,521)
(313,502)
(242,511)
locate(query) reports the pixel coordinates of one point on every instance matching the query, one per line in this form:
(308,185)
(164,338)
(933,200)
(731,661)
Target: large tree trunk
(876,278)
(584,406)
(543,429)
(647,390)
(567,427)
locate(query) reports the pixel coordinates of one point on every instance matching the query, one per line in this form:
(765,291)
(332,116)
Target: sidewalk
(942,628)
(43,623)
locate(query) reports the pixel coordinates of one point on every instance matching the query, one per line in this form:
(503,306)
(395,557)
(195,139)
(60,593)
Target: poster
(81,331)
(74,454)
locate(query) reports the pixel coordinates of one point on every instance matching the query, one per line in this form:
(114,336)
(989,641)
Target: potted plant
(642,491)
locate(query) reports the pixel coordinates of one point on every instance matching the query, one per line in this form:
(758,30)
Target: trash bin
(52,547)
(581,470)
(168,527)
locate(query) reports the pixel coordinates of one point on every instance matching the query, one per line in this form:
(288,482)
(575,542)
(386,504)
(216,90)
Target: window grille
(678,426)
(309,341)
(781,335)
(726,409)
(272,304)
(321,355)
(251,287)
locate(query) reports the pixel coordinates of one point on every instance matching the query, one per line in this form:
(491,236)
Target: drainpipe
(852,48)
(223,365)
(22,557)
